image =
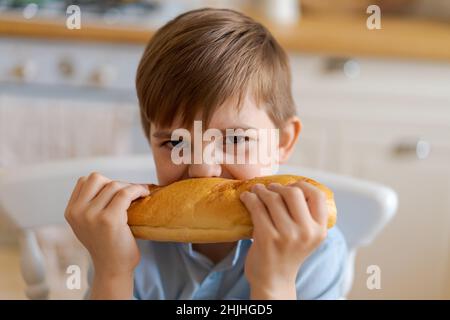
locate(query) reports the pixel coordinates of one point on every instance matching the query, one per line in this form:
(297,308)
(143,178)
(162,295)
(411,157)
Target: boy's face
(225,117)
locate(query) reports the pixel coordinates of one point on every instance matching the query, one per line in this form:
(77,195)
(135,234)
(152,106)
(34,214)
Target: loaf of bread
(203,210)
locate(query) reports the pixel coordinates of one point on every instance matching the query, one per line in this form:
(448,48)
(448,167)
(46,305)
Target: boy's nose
(204,170)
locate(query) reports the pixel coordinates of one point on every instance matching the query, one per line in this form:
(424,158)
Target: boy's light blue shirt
(176,271)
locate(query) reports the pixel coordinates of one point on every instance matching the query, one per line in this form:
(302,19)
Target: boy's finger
(94,183)
(316,200)
(260,217)
(123,198)
(105,196)
(76,191)
(295,201)
(276,208)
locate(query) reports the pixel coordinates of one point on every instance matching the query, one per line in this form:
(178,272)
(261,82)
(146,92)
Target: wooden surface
(15,26)
(410,38)
(12,285)
(345,36)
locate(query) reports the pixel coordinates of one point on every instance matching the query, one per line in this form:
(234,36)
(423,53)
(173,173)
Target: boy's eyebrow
(167,134)
(162,134)
(238,128)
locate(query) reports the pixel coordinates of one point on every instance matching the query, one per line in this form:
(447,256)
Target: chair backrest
(34,196)
(363,207)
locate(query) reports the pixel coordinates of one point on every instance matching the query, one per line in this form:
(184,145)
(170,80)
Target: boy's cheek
(166,171)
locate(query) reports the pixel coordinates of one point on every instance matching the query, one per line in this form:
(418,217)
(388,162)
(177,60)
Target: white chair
(36,196)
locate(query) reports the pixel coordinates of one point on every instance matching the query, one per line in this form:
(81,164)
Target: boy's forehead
(227,116)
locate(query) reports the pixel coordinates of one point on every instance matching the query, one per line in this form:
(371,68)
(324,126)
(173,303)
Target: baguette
(204,210)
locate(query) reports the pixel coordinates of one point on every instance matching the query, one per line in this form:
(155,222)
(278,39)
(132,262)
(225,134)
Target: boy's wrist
(283,291)
(112,286)
(108,271)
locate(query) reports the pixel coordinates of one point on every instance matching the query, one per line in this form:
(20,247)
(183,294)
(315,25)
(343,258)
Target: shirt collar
(228,262)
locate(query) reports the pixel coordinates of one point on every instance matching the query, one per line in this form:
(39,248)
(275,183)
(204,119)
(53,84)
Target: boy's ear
(288,137)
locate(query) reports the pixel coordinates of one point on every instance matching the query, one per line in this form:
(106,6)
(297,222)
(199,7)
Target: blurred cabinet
(413,251)
(314,145)
(385,127)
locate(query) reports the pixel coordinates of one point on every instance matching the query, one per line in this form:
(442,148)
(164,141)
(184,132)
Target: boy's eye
(236,139)
(172,143)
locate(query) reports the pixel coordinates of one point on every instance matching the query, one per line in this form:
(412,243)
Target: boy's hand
(289,223)
(97,213)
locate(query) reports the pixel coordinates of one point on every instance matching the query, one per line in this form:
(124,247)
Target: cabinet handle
(419,149)
(349,67)
(334,64)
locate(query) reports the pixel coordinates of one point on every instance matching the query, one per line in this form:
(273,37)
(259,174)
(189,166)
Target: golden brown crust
(204,210)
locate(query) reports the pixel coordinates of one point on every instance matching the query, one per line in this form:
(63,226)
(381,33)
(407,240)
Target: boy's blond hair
(205,57)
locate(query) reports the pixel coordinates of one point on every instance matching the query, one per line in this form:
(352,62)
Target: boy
(225,69)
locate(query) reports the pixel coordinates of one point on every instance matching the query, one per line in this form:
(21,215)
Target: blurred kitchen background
(375,104)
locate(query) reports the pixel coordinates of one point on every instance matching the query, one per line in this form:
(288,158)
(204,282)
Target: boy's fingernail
(257,186)
(273,185)
(243,194)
